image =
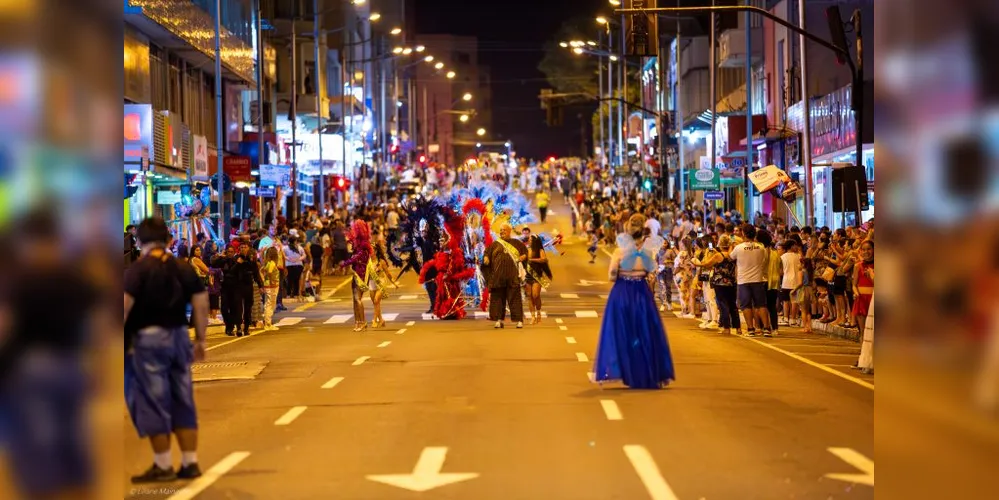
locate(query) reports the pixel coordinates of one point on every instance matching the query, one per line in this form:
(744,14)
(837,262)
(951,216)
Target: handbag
(829,274)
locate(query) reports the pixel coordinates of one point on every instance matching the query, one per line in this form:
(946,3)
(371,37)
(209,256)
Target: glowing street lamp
(450,74)
(358,2)
(481,132)
(420,48)
(374,16)
(615,2)
(407,51)
(467,96)
(591,43)
(578,50)
(613,58)
(601,20)
(439,65)
(429,58)
(397,50)
(563,44)
(396,31)
(463,118)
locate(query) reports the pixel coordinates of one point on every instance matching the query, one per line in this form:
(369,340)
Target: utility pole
(219,124)
(857,93)
(293,209)
(319,104)
(262,156)
(748,214)
(600,107)
(714,88)
(623,147)
(679,119)
(805,150)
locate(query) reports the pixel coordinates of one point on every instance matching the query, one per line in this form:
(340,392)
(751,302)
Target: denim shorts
(159,390)
(752,295)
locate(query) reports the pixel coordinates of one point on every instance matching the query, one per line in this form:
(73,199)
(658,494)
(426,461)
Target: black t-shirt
(162,287)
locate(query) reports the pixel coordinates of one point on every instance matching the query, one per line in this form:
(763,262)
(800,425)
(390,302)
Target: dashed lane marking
(410,323)
(337,319)
(332,383)
(559,320)
(360,361)
(385,344)
(570,340)
(390,316)
(290,415)
(210,476)
(407,297)
(586,314)
(611,410)
(581,357)
(400,331)
(294,320)
(648,472)
(563,328)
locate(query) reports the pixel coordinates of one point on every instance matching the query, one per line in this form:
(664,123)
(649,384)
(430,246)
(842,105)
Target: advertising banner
(138,131)
(199,170)
(237,168)
(275,175)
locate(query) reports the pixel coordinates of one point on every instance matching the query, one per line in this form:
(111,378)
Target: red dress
(865,285)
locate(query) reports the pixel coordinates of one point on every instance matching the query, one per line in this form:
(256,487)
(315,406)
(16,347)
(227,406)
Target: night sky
(511,37)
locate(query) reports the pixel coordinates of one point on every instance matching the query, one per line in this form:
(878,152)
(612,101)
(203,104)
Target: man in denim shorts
(159,352)
(751,276)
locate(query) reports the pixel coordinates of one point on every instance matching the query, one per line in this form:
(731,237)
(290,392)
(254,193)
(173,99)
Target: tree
(565,70)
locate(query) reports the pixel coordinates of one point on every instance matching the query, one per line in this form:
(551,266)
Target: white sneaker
(662,308)
(712,325)
(689,316)
(520,324)
(703,325)
(499,324)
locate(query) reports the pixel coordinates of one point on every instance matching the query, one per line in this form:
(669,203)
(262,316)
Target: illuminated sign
(138,131)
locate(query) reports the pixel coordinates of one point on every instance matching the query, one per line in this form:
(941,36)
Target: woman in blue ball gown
(633,346)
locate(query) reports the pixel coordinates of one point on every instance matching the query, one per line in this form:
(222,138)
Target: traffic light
(340,183)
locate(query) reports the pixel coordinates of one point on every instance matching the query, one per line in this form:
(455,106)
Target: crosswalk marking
(390,316)
(338,319)
(294,320)
(569,295)
(586,314)
(408,297)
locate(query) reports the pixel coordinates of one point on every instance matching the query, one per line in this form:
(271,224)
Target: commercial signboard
(275,175)
(704,180)
(714,195)
(237,167)
(138,131)
(199,170)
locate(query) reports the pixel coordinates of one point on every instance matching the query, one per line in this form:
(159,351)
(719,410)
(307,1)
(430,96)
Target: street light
(397,50)
(396,31)
(463,118)
(615,2)
(439,65)
(578,50)
(420,48)
(478,144)
(601,20)
(481,132)
(429,58)
(591,43)
(450,74)
(563,44)
(374,16)
(613,57)
(467,96)
(407,51)
(358,2)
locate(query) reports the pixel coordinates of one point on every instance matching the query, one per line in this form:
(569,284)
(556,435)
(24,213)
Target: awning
(773,134)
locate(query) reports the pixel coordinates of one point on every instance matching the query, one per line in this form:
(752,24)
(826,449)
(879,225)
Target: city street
(465,411)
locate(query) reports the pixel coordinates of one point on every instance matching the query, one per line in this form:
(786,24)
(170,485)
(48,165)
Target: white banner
(199,171)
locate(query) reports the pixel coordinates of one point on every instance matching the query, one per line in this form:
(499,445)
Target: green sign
(704,180)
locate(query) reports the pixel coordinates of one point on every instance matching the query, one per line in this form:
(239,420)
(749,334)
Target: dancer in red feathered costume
(451,269)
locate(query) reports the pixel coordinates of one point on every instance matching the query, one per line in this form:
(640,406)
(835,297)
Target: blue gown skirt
(633,346)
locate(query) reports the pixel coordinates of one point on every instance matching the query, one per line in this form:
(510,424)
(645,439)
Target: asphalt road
(469,412)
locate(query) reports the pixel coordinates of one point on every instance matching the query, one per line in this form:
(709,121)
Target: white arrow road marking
(289,321)
(611,409)
(360,360)
(332,383)
(385,344)
(586,314)
(582,356)
(210,476)
(390,316)
(410,323)
(648,472)
(570,340)
(427,474)
(854,458)
(338,318)
(290,415)
(569,295)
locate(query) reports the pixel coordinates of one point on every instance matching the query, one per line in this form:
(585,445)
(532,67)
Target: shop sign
(275,175)
(138,131)
(714,195)
(237,167)
(200,167)
(704,180)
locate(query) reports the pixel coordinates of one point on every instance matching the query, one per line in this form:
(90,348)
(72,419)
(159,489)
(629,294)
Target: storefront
(833,141)
(157,154)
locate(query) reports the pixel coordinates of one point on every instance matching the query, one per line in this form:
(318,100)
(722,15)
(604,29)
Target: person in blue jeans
(159,391)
